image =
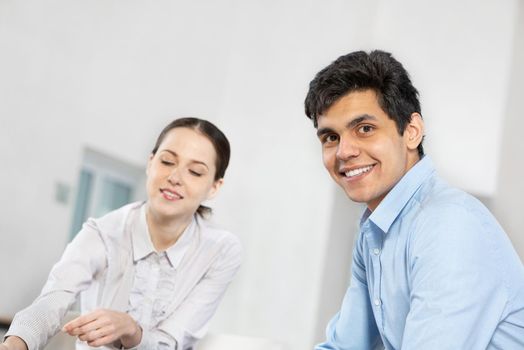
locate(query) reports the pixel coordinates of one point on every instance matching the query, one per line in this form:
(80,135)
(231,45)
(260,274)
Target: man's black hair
(359,71)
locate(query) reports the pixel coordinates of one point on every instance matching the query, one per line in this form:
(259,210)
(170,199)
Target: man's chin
(356,198)
(356,195)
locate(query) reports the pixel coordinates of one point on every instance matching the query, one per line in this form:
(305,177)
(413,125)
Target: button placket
(375,251)
(374,243)
(375,256)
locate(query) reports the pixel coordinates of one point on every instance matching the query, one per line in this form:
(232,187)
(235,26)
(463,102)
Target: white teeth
(170,195)
(358,171)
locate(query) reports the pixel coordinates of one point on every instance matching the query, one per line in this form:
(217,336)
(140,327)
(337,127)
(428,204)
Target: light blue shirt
(432,269)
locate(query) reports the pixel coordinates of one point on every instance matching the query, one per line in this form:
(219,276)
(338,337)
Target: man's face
(362,148)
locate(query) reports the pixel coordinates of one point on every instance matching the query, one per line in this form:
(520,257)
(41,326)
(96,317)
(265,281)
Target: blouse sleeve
(82,259)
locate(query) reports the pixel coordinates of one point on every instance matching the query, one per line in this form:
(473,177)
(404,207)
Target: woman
(150,274)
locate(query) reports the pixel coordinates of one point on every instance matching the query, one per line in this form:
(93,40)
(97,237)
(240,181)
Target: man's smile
(355,171)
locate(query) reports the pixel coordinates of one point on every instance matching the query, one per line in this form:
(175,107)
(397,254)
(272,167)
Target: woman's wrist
(15,343)
(133,337)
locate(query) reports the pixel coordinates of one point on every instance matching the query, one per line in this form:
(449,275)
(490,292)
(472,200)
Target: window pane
(83,199)
(113,195)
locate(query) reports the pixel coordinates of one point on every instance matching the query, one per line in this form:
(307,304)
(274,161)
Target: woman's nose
(174,177)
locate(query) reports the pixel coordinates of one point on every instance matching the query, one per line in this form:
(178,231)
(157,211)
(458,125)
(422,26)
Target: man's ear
(214,189)
(414,132)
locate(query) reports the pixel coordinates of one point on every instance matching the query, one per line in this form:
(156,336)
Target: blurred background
(86,86)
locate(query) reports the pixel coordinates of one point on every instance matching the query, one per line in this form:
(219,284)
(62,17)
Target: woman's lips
(170,195)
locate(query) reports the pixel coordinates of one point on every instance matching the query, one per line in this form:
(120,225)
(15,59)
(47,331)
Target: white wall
(508,202)
(109,74)
(459,57)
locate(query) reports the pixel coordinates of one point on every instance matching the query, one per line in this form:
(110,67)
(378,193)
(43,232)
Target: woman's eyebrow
(174,154)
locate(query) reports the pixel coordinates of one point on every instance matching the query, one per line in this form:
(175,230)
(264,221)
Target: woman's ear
(414,132)
(214,188)
(149,162)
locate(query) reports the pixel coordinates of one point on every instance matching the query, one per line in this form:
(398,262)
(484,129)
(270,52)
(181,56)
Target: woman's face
(181,174)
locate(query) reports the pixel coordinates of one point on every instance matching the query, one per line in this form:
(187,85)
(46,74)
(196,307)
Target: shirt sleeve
(457,293)
(190,320)
(353,327)
(82,259)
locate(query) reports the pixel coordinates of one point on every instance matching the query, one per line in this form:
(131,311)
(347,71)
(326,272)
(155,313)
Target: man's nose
(347,148)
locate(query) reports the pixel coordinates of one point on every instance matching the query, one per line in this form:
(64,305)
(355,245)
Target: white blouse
(112,264)
(155,278)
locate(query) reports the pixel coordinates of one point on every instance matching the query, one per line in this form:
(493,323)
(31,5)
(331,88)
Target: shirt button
(376,301)
(376,251)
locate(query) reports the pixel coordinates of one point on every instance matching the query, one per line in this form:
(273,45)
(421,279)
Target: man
(432,268)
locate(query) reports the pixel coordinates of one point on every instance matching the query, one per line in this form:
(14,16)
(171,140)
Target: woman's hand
(102,327)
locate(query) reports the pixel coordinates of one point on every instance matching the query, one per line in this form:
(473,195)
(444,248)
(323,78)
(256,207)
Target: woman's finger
(104,340)
(81,320)
(86,328)
(97,334)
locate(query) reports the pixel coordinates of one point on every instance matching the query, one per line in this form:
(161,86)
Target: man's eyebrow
(360,119)
(191,160)
(323,131)
(351,124)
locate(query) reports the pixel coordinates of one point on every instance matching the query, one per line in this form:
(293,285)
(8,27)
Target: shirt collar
(391,206)
(143,246)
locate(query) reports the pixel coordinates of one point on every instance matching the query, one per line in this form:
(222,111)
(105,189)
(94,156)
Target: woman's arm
(82,259)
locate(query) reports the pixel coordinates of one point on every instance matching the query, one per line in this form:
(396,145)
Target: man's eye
(330,138)
(364,129)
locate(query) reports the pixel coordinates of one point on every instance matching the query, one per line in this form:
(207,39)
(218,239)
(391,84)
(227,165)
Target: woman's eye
(166,162)
(195,173)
